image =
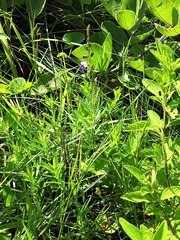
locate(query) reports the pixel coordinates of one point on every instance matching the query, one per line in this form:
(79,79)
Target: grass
(70,153)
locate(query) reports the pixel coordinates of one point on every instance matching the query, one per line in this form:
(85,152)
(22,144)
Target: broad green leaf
(112,6)
(170,192)
(137,64)
(73,38)
(126,19)
(129,4)
(153,87)
(135,172)
(17,85)
(133,232)
(170,32)
(146,233)
(165,10)
(155,119)
(95,54)
(127,13)
(4,89)
(117,33)
(137,197)
(28,85)
(41,86)
(164,54)
(139,126)
(162,232)
(35,7)
(161,58)
(157,74)
(165,50)
(175,122)
(98,37)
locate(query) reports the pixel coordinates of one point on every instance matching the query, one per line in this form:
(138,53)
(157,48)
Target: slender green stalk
(8,51)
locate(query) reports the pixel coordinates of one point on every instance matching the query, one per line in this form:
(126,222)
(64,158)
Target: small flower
(84,65)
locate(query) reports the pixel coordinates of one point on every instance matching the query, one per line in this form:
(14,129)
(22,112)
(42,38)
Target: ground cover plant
(89,119)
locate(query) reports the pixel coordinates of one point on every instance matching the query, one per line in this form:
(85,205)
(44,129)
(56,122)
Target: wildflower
(84,65)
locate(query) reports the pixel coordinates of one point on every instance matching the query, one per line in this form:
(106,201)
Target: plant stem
(8,52)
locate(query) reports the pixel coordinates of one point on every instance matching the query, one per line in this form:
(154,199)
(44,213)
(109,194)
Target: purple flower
(83,66)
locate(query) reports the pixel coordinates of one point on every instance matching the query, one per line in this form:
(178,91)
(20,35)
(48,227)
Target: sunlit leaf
(135,172)
(147,234)
(137,197)
(126,19)
(133,232)
(4,89)
(139,126)
(17,85)
(155,119)
(170,32)
(166,10)
(170,192)
(162,232)
(153,87)
(95,54)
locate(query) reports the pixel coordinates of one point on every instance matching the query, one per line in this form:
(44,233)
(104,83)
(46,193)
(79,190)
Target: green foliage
(167,12)
(98,57)
(144,233)
(127,13)
(34,8)
(89,152)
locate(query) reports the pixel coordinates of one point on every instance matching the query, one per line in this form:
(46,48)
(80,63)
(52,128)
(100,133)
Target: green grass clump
(88,151)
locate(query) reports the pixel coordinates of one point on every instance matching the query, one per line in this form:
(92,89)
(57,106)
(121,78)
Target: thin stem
(8,51)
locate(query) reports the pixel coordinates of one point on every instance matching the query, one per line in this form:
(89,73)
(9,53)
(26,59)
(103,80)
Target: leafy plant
(167,12)
(89,119)
(127,13)
(164,156)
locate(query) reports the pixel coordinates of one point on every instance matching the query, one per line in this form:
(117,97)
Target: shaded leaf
(35,7)
(73,38)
